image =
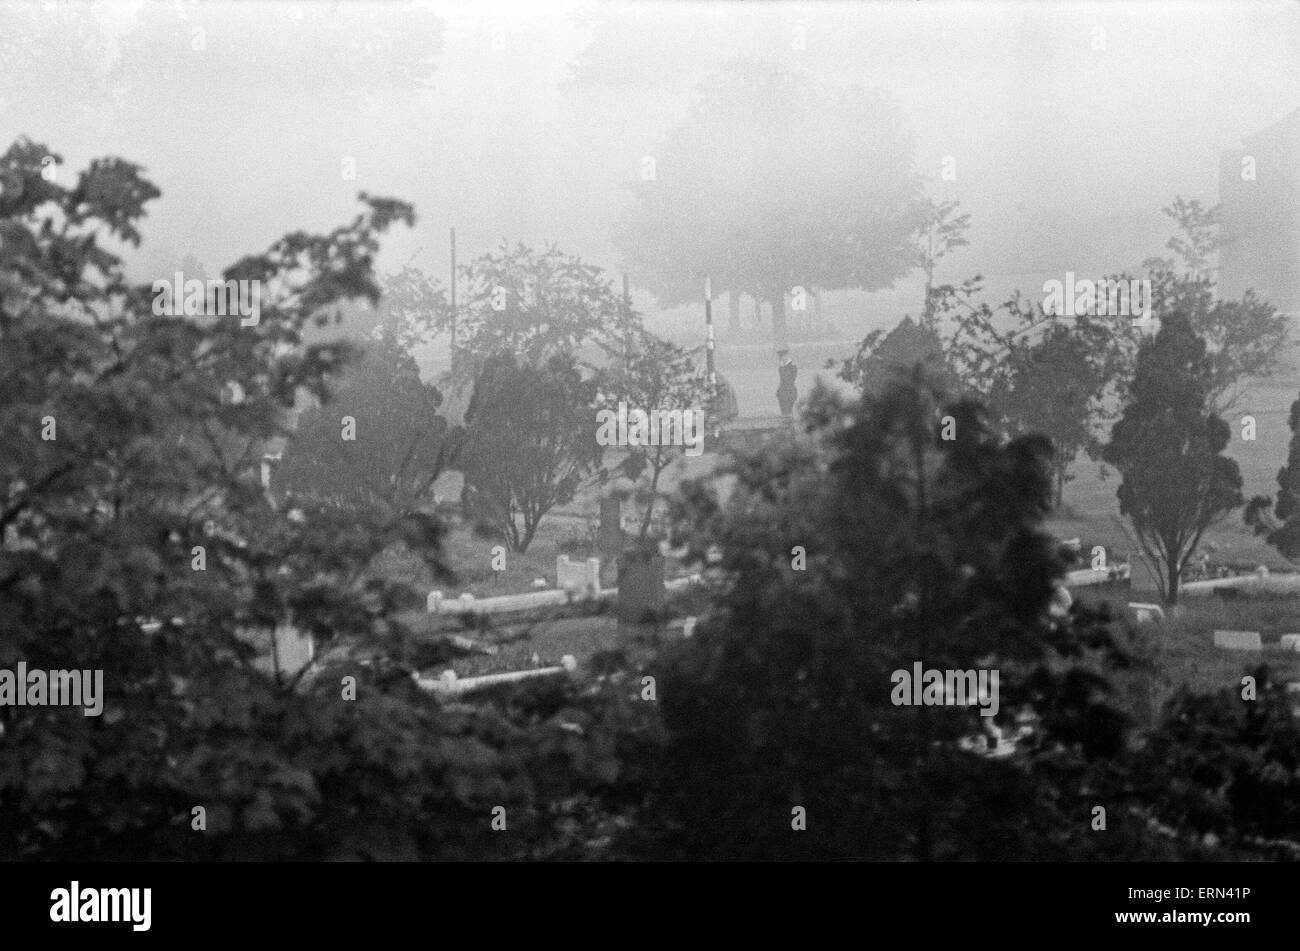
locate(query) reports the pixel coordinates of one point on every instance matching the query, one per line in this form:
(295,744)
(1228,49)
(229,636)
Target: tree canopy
(530,441)
(534,305)
(138,542)
(918,548)
(775,181)
(392,451)
(1168,447)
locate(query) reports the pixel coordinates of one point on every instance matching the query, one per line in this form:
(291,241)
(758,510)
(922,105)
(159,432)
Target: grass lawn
(1181,650)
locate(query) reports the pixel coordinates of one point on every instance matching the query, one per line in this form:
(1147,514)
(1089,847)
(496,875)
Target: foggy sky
(537,113)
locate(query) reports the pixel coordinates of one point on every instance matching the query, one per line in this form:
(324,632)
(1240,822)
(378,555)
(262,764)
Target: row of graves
(640,599)
(1134,584)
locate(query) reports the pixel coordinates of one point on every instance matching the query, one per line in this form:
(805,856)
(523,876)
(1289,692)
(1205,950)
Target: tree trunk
(733,311)
(925,823)
(778,321)
(523,543)
(654,488)
(1171,596)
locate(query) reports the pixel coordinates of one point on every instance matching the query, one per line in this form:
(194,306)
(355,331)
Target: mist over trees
(534,305)
(418,419)
(1244,338)
(830,203)
(1066,376)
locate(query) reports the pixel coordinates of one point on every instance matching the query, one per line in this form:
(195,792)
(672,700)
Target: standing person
(727,408)
(786,394)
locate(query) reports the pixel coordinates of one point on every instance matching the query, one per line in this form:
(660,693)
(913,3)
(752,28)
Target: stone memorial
(1146,613)
(580,578)
(641,592)
(1238,640)
(609,537)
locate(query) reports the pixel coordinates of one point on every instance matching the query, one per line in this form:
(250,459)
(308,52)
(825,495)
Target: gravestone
(1290,642)
(641,592)
(1146,613)
(609,538)
(1238,640)
(581,578)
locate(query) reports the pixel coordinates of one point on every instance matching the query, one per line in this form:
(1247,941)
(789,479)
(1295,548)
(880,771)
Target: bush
(917,548)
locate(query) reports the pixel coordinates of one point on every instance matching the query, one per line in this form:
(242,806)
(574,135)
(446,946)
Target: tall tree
(815,188)
(942,232)
(877,545)
(414,306)
(536,305)
(1055,386)
(393,447)
(1168,449)
(530,441)
(659,376)
(1059,376)
(1244,338)
(1282,525)
(137,542)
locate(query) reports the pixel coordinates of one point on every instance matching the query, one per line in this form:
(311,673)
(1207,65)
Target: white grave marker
(581,578)
(1238,640)
(1145,613)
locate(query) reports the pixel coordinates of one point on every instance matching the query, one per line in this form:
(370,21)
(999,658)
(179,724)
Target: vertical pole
(708,350)
(708,329)
(453,299)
